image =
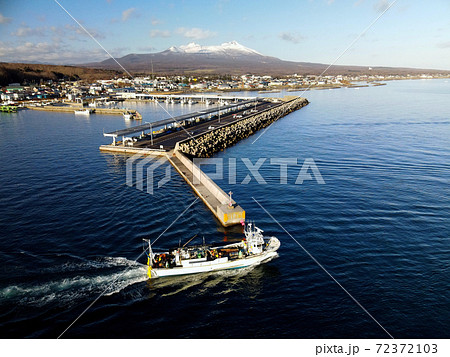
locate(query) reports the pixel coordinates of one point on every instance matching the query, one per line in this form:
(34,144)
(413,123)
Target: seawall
(207,144)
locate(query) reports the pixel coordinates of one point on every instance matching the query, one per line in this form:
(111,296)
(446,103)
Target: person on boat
(163,260)
(177,257)
(156,261)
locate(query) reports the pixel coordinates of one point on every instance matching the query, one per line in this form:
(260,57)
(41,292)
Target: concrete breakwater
(206,144)
(71,109)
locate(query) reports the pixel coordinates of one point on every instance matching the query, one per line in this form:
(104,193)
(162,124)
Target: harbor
(165,183)
(72,226)
(201,134)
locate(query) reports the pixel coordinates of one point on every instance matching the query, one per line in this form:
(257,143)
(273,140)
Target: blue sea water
(71,229)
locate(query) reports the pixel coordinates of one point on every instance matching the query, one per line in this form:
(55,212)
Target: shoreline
(354,84)
(30,104)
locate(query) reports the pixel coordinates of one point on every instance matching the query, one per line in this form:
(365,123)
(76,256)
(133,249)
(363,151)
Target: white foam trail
(67,290)
(103,262)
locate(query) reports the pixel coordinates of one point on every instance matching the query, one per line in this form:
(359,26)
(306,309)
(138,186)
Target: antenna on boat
(150,250)
(189,241)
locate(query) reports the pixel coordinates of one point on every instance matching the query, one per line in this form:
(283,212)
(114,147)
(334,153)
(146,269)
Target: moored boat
(254,249)
(83,112)
(8,108)
(128,115)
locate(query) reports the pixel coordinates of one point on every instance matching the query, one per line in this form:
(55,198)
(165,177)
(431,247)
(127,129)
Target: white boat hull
(82,112)
(213,265)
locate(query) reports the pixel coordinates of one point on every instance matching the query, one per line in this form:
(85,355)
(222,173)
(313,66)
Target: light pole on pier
(151,132)
(218,104)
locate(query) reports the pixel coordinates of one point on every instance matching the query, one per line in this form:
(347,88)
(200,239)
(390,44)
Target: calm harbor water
(71,228)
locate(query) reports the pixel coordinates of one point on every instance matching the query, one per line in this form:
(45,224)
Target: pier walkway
(226,210)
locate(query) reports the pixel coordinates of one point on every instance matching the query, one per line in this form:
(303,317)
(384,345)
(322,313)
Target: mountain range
(231,58)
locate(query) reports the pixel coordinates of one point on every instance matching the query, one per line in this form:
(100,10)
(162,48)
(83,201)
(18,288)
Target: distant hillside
(234,58)
(20,72)
(230,58)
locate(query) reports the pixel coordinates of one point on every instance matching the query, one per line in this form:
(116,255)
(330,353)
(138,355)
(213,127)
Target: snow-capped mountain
(228,48)
(229,57)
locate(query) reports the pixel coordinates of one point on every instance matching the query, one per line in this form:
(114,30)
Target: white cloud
(126,14)
(73,32)
(156,22)
(48,52)
(291,37)
(28,31)
(195,33)
(159,33)
(68,31)
(444,44)
(4,20)
(22,32)
(381,5)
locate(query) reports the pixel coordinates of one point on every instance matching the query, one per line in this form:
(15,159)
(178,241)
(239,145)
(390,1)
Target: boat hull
(82,112)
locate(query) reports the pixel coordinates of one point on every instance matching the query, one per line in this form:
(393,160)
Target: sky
(412,33)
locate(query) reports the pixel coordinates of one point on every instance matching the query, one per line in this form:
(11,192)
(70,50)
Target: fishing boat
(8,108)
(254,249)
(128,115)
(83,112)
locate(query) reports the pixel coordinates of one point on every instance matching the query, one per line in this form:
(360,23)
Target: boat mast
(150,252)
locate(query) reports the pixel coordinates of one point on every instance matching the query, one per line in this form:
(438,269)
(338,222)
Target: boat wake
(77,279)
(81,279)
(198,284)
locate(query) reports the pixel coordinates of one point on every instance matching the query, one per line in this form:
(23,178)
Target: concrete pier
(210,136)
(226,210)
(71,109)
